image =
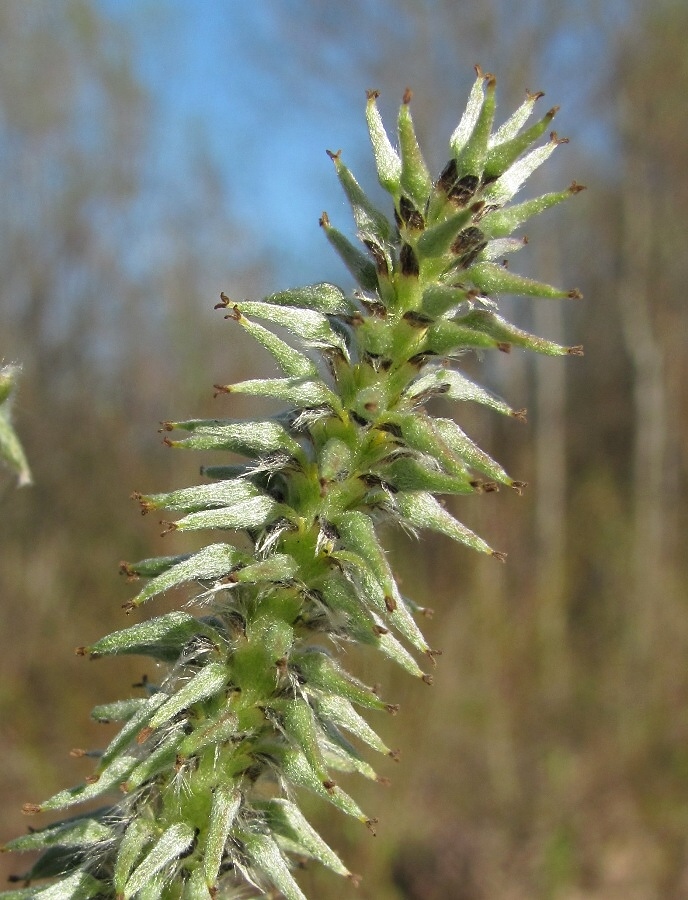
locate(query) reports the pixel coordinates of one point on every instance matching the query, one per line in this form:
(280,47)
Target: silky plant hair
(200,789)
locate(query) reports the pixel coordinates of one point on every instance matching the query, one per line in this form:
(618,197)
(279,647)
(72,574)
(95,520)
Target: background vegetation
(550,759)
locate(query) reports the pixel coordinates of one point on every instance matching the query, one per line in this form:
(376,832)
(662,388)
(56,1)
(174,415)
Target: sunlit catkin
(202,783)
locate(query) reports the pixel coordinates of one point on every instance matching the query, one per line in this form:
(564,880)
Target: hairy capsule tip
(395,755)
(392,708)
(574,294)
(408,95)
(324,220)
(334,156)
(30,809)
(500,555)
(372,94)
(129,606)
(80,651)
(520,414)
(428,679)
(576,351)
(370,825)
(519,486)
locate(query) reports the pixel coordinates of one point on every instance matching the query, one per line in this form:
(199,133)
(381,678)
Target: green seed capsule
(415,178)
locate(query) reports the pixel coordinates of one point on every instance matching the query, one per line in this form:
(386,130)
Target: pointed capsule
(117,711)
(341,756)
(516,120)
(138,836)
(160,761)
(133,727)
(312,326)
(162,638)
(370,222)
(212,562)
(471,160)
(503,155)
(171,844)
(214,730)
(447,337)
(149,568)
(357,533)
(252,439)
(278,567)
(496,329)
(415,178)
(467,450)
(287,821)
(109,779)
(439,298)
(362,624)
(358,264)
(79,884)
(466,126)
(421,510)
(455,386)
(298,392)
(299,724)
(294,767)
(408,474)
(82,832)
(387,161)
(341,712)
(291,361)
(202,496)
(265,858)
(211,679)
(501,222)
(224,807)
(322,673)
(490,278)
(507,185)
(249,514)
(322,297)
